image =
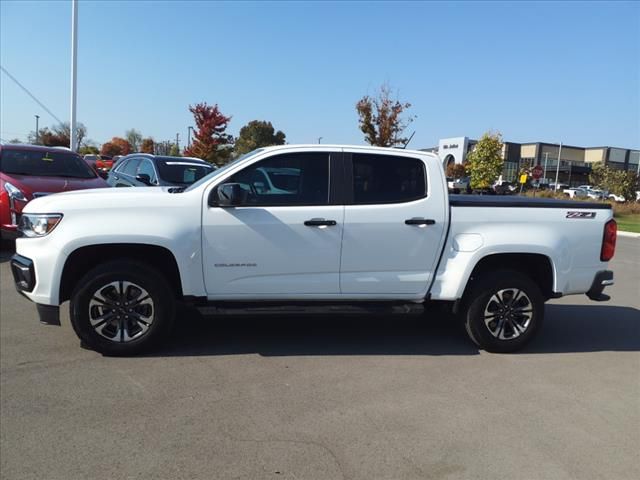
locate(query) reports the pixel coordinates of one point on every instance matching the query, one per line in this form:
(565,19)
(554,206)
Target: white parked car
(350,230)
(576,192)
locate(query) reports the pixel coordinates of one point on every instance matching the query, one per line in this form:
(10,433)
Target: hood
(34,183)
(103,198)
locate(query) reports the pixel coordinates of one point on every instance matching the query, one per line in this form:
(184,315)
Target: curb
(629,234)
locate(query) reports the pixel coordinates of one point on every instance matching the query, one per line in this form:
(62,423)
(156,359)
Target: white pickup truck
(335,229)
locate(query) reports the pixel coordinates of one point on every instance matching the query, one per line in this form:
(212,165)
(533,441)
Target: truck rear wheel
(504,310)
(122,308)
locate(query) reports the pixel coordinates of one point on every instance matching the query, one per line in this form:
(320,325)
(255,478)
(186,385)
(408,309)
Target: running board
(311,309)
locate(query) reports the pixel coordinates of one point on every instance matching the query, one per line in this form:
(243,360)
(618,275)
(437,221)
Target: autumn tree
(59,135)
(457,170)
(134,137)
(210,142)
(256,134)
(116,146)
(380,119)
(147,145)
(485,161)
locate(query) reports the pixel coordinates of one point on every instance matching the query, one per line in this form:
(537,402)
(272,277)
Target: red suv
(30,171)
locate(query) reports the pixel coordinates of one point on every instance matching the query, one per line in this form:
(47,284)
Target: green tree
(88,150)
(485,161)
(256,134)
(174,151)
(619,182)
(134,137)
(380,119)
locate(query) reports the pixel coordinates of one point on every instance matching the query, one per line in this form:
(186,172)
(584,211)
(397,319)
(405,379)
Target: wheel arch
(538,267)
(85,258)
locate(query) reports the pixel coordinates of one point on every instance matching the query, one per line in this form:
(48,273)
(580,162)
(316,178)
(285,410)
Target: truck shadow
(568,328)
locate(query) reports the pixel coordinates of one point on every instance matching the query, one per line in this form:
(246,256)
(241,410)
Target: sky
(538,71)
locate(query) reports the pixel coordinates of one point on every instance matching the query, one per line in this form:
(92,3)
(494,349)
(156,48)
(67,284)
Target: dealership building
(575,162)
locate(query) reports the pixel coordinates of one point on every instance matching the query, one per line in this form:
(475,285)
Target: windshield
(45,164)
(217,172)
(183,173)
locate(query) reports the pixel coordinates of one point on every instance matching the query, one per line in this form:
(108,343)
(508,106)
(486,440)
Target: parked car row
(31,171)
(463,185)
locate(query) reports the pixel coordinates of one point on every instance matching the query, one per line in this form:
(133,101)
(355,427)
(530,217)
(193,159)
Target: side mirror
(144,178)
(231,195)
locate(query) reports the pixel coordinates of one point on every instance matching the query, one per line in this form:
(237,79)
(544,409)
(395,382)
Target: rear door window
(146,168)
(387,179)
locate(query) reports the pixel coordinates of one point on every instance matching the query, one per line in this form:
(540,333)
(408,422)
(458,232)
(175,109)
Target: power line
(30,94)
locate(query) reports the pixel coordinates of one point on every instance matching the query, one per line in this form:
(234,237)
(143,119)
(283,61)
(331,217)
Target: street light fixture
(189,130)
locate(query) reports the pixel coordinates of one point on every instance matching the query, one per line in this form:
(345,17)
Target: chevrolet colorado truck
(308,229)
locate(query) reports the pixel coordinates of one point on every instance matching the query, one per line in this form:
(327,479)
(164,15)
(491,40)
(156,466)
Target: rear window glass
(183,173)
(387,179)
(44,163)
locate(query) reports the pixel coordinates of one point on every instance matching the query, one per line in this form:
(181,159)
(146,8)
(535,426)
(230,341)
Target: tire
(504,310)
(122,308)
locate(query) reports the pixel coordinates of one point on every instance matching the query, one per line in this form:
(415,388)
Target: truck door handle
(320,222)
(420,221)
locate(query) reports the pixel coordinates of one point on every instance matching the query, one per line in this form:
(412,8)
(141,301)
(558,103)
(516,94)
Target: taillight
(609,240)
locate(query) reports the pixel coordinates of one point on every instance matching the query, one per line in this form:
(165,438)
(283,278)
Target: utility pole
(178,142)
(74,70)
(189,128)
(558,168)
(37,132)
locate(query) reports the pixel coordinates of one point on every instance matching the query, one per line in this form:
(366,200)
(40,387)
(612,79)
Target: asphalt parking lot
(328,398)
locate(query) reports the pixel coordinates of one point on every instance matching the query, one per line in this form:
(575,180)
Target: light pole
(320,139)
(558,168)
(37,137)
(189,129)
(74,70)
(546,157)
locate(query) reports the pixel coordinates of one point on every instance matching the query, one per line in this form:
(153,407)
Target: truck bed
(521,202)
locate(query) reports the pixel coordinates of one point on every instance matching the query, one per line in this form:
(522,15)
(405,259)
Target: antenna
(408,140)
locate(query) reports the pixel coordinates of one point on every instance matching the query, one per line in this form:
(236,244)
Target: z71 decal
(581,215)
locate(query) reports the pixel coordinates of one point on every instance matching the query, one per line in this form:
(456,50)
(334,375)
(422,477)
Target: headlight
(38,225)
(14,192)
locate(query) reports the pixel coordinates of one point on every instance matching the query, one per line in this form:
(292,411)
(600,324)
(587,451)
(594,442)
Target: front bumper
(24,274)
(602,279)
(24,277)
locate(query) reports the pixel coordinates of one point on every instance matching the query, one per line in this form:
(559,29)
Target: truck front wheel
(122,308)
(504,310)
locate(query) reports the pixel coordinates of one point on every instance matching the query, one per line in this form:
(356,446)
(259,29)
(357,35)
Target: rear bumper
(602,280)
